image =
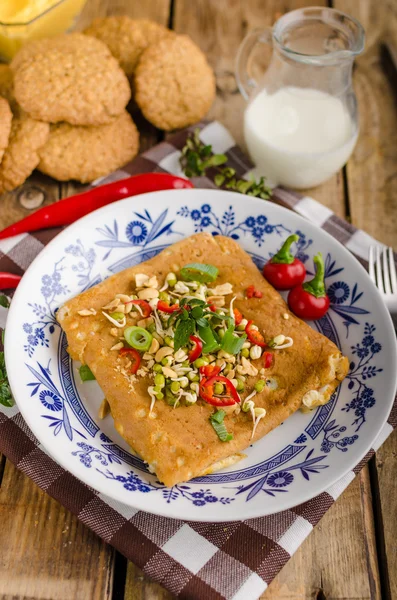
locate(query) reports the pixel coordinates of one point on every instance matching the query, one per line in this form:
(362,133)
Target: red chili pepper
(212,307)
(283,270)
(238,317)
(197,348)
(9,281)
(267,360)
(70,209)
(210,370)
(144,306)
(254,336)
(309,300)
(251,292)
(207,391)
(165,307)
(135,357)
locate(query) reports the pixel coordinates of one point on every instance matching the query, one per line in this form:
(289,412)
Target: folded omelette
(193,369)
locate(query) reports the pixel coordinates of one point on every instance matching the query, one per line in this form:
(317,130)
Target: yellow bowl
(56,17)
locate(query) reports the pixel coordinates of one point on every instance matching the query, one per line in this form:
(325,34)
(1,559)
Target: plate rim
(58,457)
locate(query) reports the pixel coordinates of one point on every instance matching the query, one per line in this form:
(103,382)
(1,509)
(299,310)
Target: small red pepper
(144,306)
(165,307)
(207,391)
(238,317)
(135,357)
(9,281)
(251,292)
(254,336)
(70,209)
(197,348)
(309,300)
(210,370)
(267,360)
(283,270)
(212,307)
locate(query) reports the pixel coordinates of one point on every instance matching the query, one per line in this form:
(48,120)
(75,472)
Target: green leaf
(6,398)
(182,333)
(219,179)
(86,374)
(4,301)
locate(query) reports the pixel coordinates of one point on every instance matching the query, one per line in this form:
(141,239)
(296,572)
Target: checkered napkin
(193,560)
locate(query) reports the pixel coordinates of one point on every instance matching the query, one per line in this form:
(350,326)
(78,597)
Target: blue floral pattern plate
(295,462)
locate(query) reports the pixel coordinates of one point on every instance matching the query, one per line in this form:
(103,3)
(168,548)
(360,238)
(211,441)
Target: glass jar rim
(323,14)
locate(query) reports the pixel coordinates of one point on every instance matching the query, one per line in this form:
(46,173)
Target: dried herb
(197,158)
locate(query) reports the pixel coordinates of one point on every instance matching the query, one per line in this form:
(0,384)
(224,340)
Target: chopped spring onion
(199,272)
(231,343)
(217,423)
(138,338)
(86,374)
(207,335)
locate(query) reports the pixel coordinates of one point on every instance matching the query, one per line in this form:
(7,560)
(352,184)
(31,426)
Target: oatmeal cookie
(21,158)
(7,84)
(86,153)
(127,38)
(175,86)
(5,125)
(73,78)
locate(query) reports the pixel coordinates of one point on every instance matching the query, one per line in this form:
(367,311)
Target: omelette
(192,367)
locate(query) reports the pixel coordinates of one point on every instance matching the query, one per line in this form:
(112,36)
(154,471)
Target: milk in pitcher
(298,137)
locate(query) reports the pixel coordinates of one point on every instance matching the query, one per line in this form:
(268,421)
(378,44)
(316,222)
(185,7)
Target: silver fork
(382,271)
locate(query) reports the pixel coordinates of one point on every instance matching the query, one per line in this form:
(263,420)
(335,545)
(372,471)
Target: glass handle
(245,82)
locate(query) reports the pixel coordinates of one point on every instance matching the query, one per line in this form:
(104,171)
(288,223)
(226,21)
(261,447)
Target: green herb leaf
(183,331)
(6,398)
(219,179)
(86,374)
(196,158)
(210,339)
(4,301)
(217,423)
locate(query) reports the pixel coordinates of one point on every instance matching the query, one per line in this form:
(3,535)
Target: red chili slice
(207,391)
(167,308)
(252,292)
(238,317)
(144,306)
(135,357)
(210,370)
(212,307)
(197,349)
(254,336)
(267,360)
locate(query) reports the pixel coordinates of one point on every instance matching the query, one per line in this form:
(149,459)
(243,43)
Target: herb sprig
(6,398)
(197,158)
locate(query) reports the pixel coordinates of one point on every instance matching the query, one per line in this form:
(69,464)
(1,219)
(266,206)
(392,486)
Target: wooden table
(46,554)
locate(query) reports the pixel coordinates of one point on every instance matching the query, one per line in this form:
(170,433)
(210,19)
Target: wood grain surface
(352,554)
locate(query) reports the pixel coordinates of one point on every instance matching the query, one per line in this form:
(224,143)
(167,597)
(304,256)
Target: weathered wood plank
(45,551)
(372,183)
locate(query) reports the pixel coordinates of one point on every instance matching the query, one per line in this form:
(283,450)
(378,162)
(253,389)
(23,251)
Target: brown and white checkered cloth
(235,560)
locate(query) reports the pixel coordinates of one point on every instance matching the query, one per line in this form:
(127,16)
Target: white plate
(295,462)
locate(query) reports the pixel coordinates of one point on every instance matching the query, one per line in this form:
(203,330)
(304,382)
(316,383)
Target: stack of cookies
(173,83)
(63,99)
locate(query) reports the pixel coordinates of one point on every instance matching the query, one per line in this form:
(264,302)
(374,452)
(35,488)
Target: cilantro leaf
(183,331)
(6,398)
(4,301)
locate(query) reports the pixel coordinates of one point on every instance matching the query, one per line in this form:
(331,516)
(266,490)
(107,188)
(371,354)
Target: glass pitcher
(301,121)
